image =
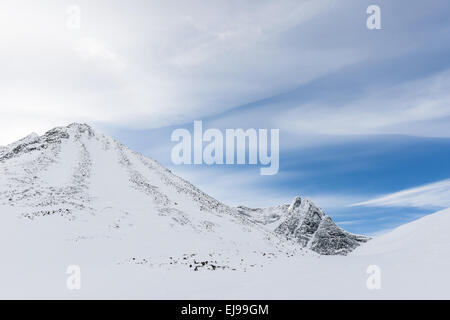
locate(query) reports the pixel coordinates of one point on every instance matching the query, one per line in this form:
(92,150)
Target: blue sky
(342,169)
(335,175)
(363,114)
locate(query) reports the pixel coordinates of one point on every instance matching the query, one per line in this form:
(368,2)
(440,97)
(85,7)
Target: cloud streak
(396,110)
(434,195)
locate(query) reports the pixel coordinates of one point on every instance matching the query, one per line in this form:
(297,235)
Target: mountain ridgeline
(79,175)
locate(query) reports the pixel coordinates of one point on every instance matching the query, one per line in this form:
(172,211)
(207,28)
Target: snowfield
(76,197)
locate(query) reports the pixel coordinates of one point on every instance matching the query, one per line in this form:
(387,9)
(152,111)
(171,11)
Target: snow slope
(414,264)
(428,237)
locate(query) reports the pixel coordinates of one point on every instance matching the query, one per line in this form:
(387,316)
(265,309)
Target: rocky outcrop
(305,223)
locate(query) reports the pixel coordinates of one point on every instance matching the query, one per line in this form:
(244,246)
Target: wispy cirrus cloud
(433,195)
(401,109)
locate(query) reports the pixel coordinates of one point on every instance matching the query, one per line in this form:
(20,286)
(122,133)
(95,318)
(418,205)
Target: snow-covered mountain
(97,186)
(76,197)
(74,172)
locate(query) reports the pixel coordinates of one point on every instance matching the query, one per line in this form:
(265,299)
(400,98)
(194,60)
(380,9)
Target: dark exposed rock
(303,222)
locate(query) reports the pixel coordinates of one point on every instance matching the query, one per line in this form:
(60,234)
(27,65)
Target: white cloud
(434,195)
(93,49)
(155,63)
(148,64)
(152,64)
(402,109)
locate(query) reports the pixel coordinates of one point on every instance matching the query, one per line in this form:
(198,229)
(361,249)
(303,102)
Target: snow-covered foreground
(414,261)
(77,198)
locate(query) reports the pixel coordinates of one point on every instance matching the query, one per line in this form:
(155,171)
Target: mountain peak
(75,130)
(52,137)
(302,205)
(295,204)
(79,126)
